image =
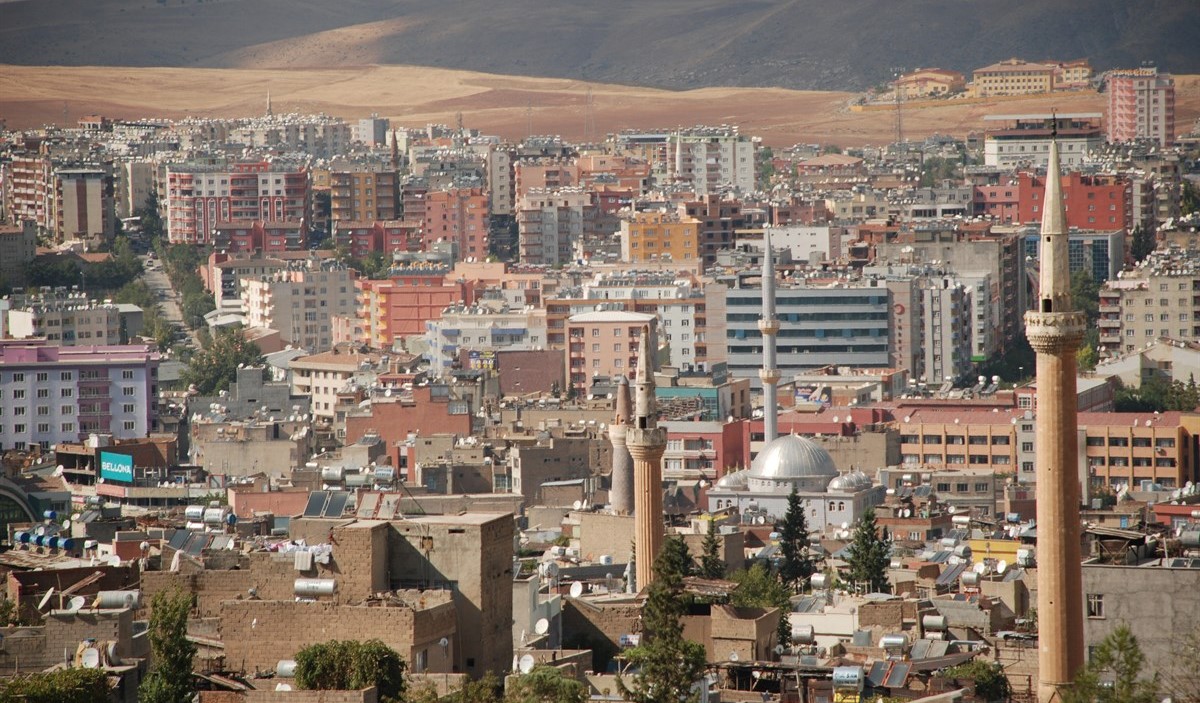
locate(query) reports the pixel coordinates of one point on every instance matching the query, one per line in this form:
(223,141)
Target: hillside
(805,44)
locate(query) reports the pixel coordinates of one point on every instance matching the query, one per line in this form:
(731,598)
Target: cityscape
(305,406)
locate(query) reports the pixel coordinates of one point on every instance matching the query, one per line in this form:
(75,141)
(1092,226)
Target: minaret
(769,327)
(620,495)
(270,112)
(1055,331)
(679,156)
(646,442)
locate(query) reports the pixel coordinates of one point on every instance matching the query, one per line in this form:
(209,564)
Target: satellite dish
(283,687)
(90,658)
(114,560)
(551,570)
(45,598)
(66,525)
(444,642)
(779,649)
(578,505)
(76,604)
(542,626)
(1001,567)
(733,656)
(576,589)
(526,663)
(980,568)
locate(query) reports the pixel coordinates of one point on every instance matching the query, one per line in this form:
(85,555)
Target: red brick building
(420,412)
(259,237)
(1096,202)
(459,215)
(382,236)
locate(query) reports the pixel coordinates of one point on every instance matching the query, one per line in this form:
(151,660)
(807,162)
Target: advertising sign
(116,467)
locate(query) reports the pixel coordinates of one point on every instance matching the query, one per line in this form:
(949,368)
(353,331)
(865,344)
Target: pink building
(201,197)
(384,236)
(461,216)
(1141,105)
(400,307)
(605,344)
(258,237)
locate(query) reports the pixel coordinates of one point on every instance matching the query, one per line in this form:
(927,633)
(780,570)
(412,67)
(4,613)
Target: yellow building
(929,82)
(660,236)
(1012,77)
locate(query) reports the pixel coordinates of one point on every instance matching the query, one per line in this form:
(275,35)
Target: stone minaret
(646,442)
(620,495)
(769,326)
(270,112)
(1055,331)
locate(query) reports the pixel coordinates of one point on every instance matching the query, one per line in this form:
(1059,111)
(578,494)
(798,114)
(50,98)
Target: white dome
(732,480)
(791,458)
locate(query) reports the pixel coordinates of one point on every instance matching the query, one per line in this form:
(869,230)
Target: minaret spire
(270,112)
(620,494)
(1055,331)
(646,442)
(769,327)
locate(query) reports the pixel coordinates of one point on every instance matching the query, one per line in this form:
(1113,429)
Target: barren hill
(814,44)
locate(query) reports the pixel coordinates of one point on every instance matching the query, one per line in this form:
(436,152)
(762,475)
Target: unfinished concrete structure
(1055,330)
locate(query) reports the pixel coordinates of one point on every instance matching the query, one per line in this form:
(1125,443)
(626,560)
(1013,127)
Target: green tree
(990,682)
(1143,242)
(675,552)
(1189,198)
(74,685)
(215,367)
(1114,675)
(667,666)
(759,588)
(341,665)
(797,564)
(868,555)
(485,689)
(712,566)
(171,654)
(1085,294)
(545,684)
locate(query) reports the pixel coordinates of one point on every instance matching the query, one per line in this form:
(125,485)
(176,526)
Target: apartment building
(322,376)
(51,394)
(660,236)
(605,344)
(258,237)
(929,83)
(198,197)
(1158,299)
(18,246)
(709,159)
(223,277)
(842,324)
(1141,105)
(69,319)
(719,219)
(551,225)
(1013,141)
(364,194)
(81,205)
(1012,77)
(460,216)
(392,310)
(481,330)
(298,301)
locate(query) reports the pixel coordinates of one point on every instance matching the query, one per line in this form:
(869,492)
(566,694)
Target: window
(932,439)
(981,488)
(128,391)
(42,377)
(1095,605)
(66,410)
(66,392)
(129,425)
(43,392)
(127,408)
(66,376)
(127,374)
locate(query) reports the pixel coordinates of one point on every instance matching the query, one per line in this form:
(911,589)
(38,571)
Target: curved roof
(733,479)
(792,457)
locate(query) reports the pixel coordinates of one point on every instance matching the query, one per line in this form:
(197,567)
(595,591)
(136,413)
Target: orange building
(1012,77)
(460,215)
(605,344)
(400,306)
(930,82)
(660,236)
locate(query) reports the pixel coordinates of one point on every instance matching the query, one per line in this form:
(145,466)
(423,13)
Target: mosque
(788,462)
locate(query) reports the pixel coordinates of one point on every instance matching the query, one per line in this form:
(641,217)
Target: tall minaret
(646,442)
(1055,331)
(769,326)
(620,495)
(679,156)
(270,112)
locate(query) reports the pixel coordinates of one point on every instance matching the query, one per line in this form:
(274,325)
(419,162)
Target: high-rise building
(660,236)
(200,197)
(1141,105)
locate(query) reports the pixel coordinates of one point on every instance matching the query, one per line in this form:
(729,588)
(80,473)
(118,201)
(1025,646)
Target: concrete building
(258,237)
(1012,141)
(1012,77)
(605,344)
(1159,298)
(1055,330)
(299,301)
(18,246)
(388,237)
(929,83)
(659,236)
(481,328)
(460,216)
(947,321)
(70,319)
(251,395)
(62,394)
(223,277)
(133,182)
(393,310)
(1101,254)
(82,207)
(265,444)
(720,217)
(1141,105)
(552,224)
(199,197)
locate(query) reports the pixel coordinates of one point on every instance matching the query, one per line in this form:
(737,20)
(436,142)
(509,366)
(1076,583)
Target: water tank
(894,642)
(848,677)
(933,623)
(961,519)
(120,599)
(52,542)
(805,634)
(1025,557)
(194,512)
(67,544)
(1190,538)
(23,537)
(315,587)
(385,474)
(970,578)
(50,515)
(606,559)
(963,551)
(820,581)
(195,526)
(286,668)
(214,516)
(333,473)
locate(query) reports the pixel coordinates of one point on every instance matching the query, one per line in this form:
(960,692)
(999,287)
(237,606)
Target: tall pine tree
(677,556)
(667,665)
(868,556)
(797,564)
(712,566)
(171,653)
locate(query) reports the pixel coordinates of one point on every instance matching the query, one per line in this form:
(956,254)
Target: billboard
(116,467)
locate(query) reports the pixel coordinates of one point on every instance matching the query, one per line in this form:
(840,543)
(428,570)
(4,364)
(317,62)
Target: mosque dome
(732,480)
(851,482)
(793,458)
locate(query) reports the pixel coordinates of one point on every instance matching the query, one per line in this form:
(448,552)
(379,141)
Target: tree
(667,665)
(75,685)
(797,564)
(1085,294)
(485,689)
(546,684)
(340,665)
(1114,675)
(171,653)
(679,558)
(712,566)
(990,682)
(759,588)
(1189,198)
(1142,244)
(215,367)
(868,556)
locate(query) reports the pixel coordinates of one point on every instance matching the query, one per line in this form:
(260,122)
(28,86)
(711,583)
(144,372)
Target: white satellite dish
(578,505)
(733,656)
(76,604)
(283,687)
(526,663)
(576,589)
(542,626)
(551,570)
(114,560)
(1001,567)
(980,568)
(66,525)
(444,642)
(45,598)
(90,658)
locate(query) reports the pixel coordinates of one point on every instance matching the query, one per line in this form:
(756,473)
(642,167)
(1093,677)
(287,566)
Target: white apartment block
(299,302)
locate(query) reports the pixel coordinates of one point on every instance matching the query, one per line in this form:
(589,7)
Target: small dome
(842,483)
(732,480)
(789,458)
